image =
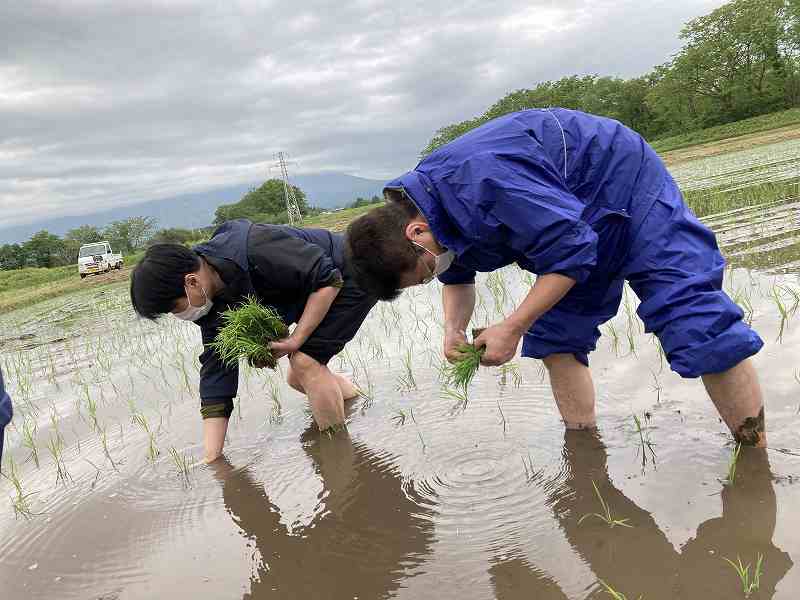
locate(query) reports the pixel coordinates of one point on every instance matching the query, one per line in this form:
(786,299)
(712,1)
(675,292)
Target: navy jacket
(282,266)
(6,411)
(527,188)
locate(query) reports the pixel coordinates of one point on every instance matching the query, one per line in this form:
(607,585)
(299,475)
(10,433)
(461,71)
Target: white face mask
(442,262)
(192,313)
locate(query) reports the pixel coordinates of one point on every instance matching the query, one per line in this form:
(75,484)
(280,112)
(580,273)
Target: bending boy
(300,272)
(583,202)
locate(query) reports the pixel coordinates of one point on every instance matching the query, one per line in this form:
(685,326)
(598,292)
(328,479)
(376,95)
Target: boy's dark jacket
(281,265)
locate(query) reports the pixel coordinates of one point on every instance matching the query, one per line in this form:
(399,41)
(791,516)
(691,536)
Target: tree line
(45,249)
(265,204)
(739,61)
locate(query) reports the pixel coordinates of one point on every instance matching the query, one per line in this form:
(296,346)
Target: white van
(97,258)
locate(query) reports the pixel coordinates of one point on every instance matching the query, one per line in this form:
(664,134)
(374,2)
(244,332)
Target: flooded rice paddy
(424,496)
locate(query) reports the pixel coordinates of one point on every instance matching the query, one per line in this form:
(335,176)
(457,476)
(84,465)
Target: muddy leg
(573,390)
(322,389)
(345,385)
(737,395)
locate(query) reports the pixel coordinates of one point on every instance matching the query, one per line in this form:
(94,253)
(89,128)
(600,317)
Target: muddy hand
(501,343)
(452,341)
(285,347)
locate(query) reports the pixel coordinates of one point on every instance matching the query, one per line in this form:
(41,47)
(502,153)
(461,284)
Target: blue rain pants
(673,264)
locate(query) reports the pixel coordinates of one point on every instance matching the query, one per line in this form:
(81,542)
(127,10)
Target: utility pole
(292,208)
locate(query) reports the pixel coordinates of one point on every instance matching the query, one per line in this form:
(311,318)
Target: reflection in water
(514,579)
(640,559)
(364,542)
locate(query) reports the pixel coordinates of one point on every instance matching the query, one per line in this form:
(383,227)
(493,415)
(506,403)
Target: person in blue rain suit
(585,204)
(6,412)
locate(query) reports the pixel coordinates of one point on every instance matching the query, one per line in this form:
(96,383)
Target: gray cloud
(104,104)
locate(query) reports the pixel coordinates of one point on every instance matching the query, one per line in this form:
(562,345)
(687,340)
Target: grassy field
(337,221)
(729,130)
(711,201)
(23,287)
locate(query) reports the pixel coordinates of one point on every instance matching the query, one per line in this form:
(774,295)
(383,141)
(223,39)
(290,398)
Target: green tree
(11,257)
(174,235)
(740,60)
(85,234)
(131,234)
(44,249)
(265,202)
(733,65)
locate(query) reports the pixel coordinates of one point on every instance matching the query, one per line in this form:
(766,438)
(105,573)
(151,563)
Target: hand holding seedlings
(453,340)
(499,343)
(247,332)
(285,347)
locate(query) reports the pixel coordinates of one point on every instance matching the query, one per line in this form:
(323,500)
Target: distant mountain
(325,190)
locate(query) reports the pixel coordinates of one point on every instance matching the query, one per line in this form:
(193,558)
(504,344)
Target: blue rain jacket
(560,191)
(533,187)
(6,411)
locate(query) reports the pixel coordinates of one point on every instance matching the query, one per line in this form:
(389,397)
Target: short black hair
(377,248)
(158,280)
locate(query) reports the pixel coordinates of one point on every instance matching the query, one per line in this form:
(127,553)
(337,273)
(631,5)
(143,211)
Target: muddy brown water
(423,496)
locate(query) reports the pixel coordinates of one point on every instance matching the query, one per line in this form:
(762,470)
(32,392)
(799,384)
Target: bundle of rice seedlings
(246,333)
(461,372)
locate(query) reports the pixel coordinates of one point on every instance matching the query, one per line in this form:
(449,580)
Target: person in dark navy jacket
(6,412)
(302,273)
(585,204)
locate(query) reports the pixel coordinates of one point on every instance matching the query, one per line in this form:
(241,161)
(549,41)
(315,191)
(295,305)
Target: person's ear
(412,230)
(416,228)
(190,280)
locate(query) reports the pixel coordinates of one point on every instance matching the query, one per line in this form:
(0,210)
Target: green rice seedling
(629,333)
(513,370)
(459,396)
(276,412)
(750,583)
(407,380)
(794,296)
(247,332)
(656,387)
(183,464)
(29,439)
(399,418)
(91,406)
(645,444)
(606,516)
(106,451)
(742,298)
(20,502)
(531,474)
(614,593)
(55,445)
(731,477)
(152,448)
(784,313)
(614,338)
(461,372)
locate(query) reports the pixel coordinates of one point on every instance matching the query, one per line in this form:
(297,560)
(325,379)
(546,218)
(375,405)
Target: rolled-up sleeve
(523,204)
(219,383)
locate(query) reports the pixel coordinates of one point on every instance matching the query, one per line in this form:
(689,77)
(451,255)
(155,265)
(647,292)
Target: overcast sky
(105,103)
